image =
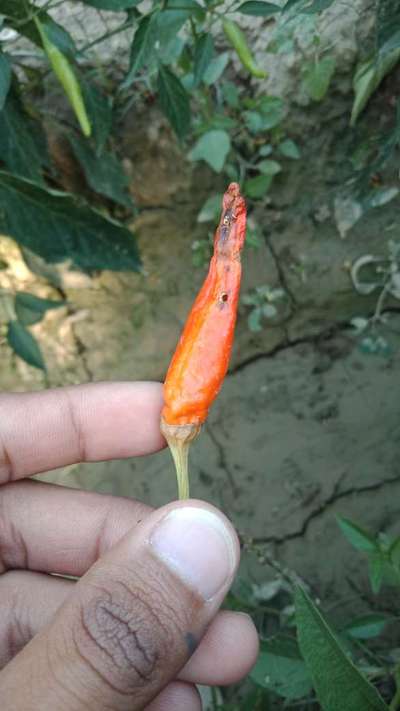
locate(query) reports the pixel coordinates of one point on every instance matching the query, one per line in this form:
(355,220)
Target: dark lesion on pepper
(226,225)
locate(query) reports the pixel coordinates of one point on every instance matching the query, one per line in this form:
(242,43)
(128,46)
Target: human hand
(151,582)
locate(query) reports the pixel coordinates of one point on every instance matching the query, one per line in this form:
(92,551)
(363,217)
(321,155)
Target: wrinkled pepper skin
(201,359)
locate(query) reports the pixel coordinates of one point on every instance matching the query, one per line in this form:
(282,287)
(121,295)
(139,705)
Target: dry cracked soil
(306,426)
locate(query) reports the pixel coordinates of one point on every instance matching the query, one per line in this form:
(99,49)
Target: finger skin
(129,626)
(83,423)
(53,529)
(29,601)
(177,696)
(227,652)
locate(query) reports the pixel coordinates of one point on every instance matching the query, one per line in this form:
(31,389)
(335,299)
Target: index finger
(82,423)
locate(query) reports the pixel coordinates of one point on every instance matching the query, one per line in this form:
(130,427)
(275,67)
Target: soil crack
(281,274)
(222,463)
(82,353)
(313,339)
(286,344)
(335,496)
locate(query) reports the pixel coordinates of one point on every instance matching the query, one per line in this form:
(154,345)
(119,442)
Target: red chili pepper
(201,359)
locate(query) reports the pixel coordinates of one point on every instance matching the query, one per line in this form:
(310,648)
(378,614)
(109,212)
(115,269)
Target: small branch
(395,702)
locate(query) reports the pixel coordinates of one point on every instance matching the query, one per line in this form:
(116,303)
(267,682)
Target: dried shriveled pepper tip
(231,195)
(179,438)
(233,189)
(233,200)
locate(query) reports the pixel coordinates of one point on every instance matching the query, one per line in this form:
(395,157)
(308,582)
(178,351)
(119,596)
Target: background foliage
(195,61)
(178,58)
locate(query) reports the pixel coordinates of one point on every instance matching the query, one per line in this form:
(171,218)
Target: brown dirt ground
(306,426)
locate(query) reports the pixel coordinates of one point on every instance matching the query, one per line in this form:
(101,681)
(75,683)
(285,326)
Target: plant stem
(395,702)
(124,26)
(180,455)
(179,438)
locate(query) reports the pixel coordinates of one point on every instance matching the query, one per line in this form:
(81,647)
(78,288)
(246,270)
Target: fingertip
(198,544)
(127,417)
(178,696)
(220,518)
(97,421)
(246,631)
(227,653)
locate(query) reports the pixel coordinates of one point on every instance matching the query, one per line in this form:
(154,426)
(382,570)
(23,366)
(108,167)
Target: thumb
(133,620)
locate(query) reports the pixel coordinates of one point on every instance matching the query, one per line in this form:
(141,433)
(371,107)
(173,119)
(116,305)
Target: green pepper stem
(179,438)
(180,455)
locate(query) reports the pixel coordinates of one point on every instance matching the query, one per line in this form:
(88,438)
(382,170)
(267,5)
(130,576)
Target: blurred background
(121,124)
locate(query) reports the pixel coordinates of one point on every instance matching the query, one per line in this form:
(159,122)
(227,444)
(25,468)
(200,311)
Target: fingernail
(198,546)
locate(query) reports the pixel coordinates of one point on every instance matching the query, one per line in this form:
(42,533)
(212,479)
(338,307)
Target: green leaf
(269,310)
(5,78)
(17,13)
(254,121)
(357,536)
(58,227)
(254,320)
(143,46)
(366,627)
(222,121)
(212,147)
(231,94)
(307,7)
(281,669)
(258,186)
(337,682)
(14,9)
(31,309)
(172,18)
(211,209)
(380,196)
(269,167)
(174,101)
(253,238)
(25,345)
(289,149)
(105,175)
(114,5)
(22,143)
(232,172)
(394,552)
(317,77)
(216,68)
(170,53)
(367,78)
(376,569)
(290,3)
(258,8)
(100,110)
(317,6)
(388,25)
(265,150)
(273,111)
(270,113)
(203,54)
(391,45)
